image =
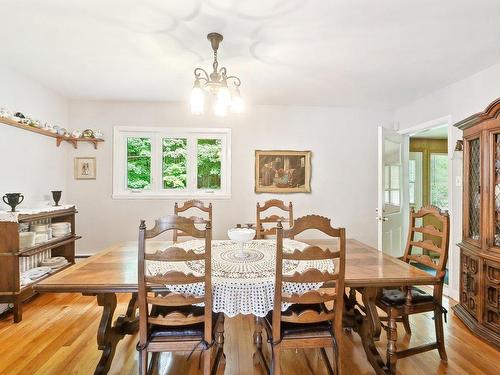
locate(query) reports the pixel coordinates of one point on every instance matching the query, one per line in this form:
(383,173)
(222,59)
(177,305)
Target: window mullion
(156,162)
(192,163)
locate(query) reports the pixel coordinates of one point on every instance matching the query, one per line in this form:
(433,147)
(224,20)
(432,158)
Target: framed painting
(85,168)
(282,171)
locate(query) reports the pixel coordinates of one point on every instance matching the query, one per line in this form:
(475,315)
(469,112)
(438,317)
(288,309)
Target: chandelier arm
(223,72)
(237,81)
(199,71)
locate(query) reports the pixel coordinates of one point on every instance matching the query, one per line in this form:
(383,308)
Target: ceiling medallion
(215,86)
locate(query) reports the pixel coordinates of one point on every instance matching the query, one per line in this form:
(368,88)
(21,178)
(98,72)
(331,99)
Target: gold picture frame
(282,171)
(85,168)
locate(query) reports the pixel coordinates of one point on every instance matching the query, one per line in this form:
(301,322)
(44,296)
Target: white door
(392,208)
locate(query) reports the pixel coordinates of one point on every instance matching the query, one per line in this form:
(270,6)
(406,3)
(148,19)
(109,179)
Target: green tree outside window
(138,163)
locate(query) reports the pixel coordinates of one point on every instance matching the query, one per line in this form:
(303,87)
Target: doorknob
(382,218)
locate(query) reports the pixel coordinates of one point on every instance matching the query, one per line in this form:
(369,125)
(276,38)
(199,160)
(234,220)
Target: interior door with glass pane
(391,200)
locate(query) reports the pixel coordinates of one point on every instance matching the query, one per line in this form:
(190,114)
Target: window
(439,180)
(412,172)
(392,190)
(171,162)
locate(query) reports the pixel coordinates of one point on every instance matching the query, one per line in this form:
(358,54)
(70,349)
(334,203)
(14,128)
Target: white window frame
(120,189)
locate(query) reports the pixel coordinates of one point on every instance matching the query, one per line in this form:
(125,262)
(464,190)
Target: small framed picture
(85,169)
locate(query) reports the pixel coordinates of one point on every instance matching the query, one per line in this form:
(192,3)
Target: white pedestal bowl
(241,236)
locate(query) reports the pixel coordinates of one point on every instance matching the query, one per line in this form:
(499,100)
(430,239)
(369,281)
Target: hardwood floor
(58,336)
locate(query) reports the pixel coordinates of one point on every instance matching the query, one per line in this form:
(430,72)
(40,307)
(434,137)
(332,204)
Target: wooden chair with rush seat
(261,224)
(400,303)
(173,322)
(192,204)
(308,322)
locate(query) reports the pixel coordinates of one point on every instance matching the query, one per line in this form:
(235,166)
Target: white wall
(344,170)
(459,100)
(31,163)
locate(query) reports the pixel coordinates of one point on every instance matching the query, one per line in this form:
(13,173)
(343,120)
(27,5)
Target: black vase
(13,200)
(56,196)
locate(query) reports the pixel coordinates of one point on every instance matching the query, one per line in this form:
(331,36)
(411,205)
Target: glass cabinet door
(473,198)
(496,189)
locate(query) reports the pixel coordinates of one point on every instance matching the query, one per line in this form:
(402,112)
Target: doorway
(428,176)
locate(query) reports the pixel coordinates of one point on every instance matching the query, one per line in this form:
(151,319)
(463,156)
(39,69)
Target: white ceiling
(368,53)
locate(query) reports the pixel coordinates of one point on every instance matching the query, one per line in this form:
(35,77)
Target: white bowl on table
(242,236)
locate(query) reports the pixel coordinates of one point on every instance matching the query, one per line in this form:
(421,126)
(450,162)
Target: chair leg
(406,323)
(207,361)
(143,362)
(438,324)
(392,338)
(154,362)
(275,365)
(327,361)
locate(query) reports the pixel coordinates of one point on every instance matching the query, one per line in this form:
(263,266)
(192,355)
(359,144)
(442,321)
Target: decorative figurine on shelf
(76,133)
(88,133)
(56,196)
(13,200)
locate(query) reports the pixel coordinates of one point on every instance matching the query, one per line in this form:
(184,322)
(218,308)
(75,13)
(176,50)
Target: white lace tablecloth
(242,286)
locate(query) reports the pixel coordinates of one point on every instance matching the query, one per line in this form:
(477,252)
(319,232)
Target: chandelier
(215,86)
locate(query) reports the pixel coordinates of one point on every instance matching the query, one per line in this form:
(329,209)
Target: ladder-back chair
(308,322)
(262,229)
(170,321)
(192,204)
(398,304)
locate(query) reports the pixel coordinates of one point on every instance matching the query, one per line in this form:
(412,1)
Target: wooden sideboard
(13,258)
(479,306)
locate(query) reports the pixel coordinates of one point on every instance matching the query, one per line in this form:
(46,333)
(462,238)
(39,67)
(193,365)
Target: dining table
(113,271)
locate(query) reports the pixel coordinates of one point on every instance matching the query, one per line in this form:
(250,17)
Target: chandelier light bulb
(220,109)
(197,99)
(237,103)
(224,96)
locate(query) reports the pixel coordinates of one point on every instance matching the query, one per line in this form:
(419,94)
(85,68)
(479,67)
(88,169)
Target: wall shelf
(59,139)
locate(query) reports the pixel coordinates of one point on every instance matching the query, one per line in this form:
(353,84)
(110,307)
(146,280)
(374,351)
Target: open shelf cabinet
(13,259)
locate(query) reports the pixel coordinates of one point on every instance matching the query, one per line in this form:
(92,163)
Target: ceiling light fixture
(215,85)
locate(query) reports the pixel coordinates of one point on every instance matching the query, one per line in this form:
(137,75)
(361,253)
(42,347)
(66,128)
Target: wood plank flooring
(58,336)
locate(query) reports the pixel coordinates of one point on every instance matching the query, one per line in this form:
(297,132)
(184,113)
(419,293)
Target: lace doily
(242,286)
(14,216)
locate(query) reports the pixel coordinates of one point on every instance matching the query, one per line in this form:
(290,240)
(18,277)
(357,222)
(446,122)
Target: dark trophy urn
(56,196)
(13,200)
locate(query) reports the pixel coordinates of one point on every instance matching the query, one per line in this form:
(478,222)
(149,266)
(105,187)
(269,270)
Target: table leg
(370,329)
(108,335)
(257,338)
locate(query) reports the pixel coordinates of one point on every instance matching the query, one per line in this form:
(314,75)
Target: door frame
(452,290)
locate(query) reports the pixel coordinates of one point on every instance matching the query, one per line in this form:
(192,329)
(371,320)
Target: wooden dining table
(114,270)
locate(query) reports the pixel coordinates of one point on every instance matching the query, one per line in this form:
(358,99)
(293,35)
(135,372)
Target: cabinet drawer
(469,282)
(492,295)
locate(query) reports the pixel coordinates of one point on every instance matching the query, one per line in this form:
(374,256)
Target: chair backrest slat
(174,277)
(261,230)
(174,254)
(192,204)
(310,275)
(312,296)
(175,299)
(153,288)
(312,253)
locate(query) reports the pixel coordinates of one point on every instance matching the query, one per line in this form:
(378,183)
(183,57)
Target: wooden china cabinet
(479,306)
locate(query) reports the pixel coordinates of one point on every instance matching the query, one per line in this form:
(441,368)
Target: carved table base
(366,322)
(109,334)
